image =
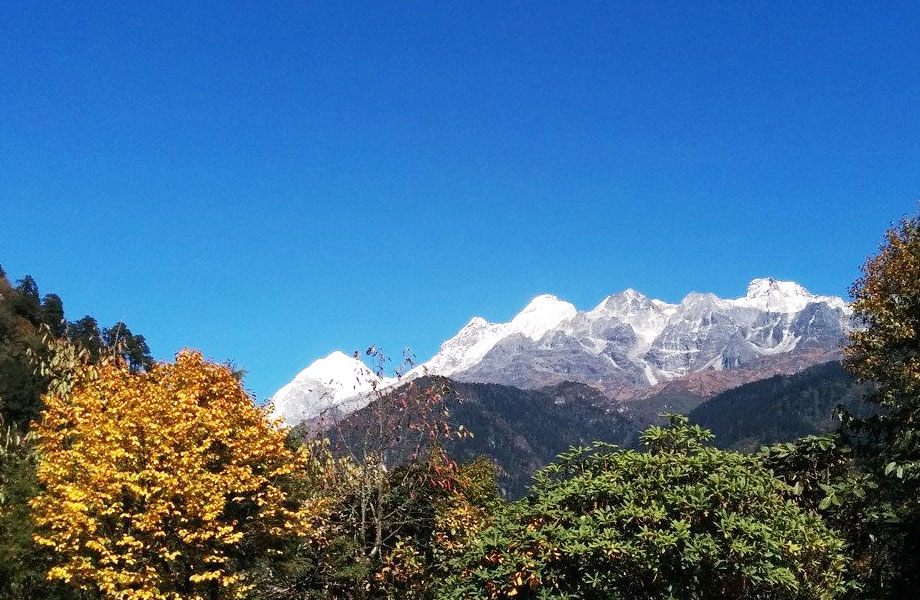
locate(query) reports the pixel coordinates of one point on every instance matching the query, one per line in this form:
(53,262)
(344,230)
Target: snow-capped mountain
(477,338)
(337,381)
(770,295)
(627,342)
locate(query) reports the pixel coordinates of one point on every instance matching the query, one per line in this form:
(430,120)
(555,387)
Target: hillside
(520,430)
(523,430)
(781,408)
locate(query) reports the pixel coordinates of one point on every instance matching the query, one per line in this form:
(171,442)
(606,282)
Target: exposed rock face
(627,346)
(630,342)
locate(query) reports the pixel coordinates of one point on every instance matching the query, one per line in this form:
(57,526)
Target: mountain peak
(336,356)
(628,296)
(695,298)
(475,323)
(542,302)
(337,381)
(773,295)
(629,300)
(335,366)
(542,314)
(767,286)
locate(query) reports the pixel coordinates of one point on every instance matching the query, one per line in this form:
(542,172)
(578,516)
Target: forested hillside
(524,430)
(783,408)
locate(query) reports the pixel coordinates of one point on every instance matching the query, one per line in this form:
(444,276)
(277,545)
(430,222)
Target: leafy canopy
(158,485)
(886,299)
(682,520)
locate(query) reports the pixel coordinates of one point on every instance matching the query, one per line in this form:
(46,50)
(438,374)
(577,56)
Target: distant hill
(782,408)
(643,412)
(523,430)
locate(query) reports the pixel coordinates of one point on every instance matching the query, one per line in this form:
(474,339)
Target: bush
(680,521)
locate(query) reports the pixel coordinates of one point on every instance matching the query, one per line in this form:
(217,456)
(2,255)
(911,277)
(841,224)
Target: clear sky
(269,182)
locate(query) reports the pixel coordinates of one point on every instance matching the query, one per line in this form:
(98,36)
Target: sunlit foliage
(682,520)
(886,299)
(158,485)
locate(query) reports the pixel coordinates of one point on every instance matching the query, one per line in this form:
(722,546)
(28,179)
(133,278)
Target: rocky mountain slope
(630,342)
(628,346)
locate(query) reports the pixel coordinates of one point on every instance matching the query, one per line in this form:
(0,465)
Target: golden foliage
(887,300)
(457,524)
(156,485)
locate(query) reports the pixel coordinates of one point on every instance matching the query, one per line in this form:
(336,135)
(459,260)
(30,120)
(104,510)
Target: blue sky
(269,182)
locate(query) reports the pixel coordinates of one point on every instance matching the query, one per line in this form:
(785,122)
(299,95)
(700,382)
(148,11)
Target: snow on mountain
(542,314)
(627,342)
(631,341)
(647,318)
(478,337)
(336,381)
(782,296)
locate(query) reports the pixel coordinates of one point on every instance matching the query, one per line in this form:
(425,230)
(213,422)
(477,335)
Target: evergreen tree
(133,348)
(52,314)
(85,333)
(20,338)
(26,302)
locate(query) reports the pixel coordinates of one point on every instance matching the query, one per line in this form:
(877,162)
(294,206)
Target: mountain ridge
(627,344)
(524,430)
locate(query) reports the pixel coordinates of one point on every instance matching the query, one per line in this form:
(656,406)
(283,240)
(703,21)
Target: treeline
(28,321)
(164,481)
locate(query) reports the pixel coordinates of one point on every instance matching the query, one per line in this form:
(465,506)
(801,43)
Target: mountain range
(628,347)
(521,431)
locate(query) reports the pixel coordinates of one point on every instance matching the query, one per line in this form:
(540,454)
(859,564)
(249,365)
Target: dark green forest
(784,408)
(27,321)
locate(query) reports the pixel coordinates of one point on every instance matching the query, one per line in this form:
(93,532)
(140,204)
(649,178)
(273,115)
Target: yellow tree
(159,485)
